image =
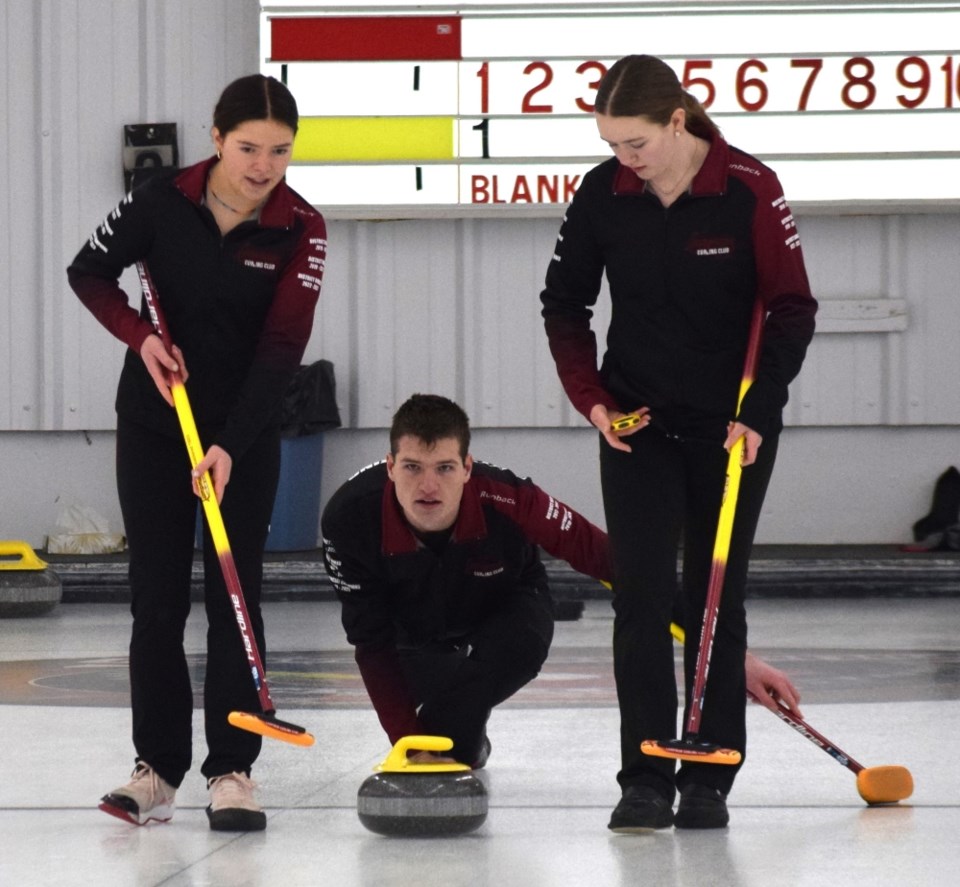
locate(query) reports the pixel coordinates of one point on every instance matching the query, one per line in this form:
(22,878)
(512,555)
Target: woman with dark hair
(690,232)
(237,258)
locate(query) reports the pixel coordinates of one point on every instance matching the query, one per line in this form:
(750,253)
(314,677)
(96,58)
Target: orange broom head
(688,750)
(271,728)
(884,785)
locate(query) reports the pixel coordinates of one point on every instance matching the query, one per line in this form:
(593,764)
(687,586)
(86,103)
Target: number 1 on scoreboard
(484,75)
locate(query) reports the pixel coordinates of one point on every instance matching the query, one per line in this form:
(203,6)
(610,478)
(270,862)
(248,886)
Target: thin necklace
(666,192)
(222,203)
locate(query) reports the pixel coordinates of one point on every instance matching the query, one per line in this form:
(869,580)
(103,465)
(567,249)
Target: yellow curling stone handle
(27,557)
(398,762)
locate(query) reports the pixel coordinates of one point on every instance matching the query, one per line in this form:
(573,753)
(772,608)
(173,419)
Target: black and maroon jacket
(397,591)
(683,281)
(239,306)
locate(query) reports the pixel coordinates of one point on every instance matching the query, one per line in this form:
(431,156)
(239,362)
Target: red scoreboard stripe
(365,38)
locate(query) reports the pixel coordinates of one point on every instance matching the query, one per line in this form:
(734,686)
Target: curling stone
(27,587)
(408,800)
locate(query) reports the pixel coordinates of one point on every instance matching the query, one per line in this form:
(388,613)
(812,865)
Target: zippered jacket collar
(277,212)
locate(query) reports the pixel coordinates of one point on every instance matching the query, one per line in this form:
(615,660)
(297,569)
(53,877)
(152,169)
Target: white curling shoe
(144,798)
(232,805)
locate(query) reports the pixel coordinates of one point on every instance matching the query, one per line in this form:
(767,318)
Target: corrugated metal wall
(445,305)
(884,371)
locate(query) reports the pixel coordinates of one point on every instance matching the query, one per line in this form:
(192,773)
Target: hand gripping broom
(264,722)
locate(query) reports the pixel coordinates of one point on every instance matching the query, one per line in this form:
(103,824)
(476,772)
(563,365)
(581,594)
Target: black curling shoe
(641,809)
(701,807)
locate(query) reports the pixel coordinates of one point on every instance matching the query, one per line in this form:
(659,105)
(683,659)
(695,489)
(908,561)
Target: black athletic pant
(159,514)
(665,491)
(458,683)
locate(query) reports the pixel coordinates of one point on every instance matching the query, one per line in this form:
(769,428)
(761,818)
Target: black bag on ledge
(310,404)
(940,529)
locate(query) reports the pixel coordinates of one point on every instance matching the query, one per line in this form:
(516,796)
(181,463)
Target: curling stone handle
(398,762)
(27,557)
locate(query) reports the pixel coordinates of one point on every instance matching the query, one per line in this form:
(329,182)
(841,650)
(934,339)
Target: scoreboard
(449,110)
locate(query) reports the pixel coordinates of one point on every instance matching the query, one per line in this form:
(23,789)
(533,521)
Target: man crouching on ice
(435,561)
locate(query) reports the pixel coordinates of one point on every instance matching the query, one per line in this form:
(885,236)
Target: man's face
(429,481)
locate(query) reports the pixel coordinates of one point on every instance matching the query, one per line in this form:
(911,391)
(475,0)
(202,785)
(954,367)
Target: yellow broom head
(271,728)
(688,750)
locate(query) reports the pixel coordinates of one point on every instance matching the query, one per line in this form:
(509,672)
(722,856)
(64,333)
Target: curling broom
(265,722)
(691,747)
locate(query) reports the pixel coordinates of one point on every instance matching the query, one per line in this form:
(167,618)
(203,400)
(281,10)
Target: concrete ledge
(813,571)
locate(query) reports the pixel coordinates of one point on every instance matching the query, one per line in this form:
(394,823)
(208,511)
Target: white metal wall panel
(406,316)
(883,378)
(89,68)
(511,379)
(448,306)
(20,260)
(932,280)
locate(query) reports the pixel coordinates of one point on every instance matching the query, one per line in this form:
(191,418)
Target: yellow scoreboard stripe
(374,138)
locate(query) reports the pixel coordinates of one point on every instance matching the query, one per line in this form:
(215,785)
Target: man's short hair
(430,418)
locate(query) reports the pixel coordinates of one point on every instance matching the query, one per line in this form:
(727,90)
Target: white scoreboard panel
(453,109)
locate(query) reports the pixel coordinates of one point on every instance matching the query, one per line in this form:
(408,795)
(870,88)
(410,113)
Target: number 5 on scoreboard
(692,65)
